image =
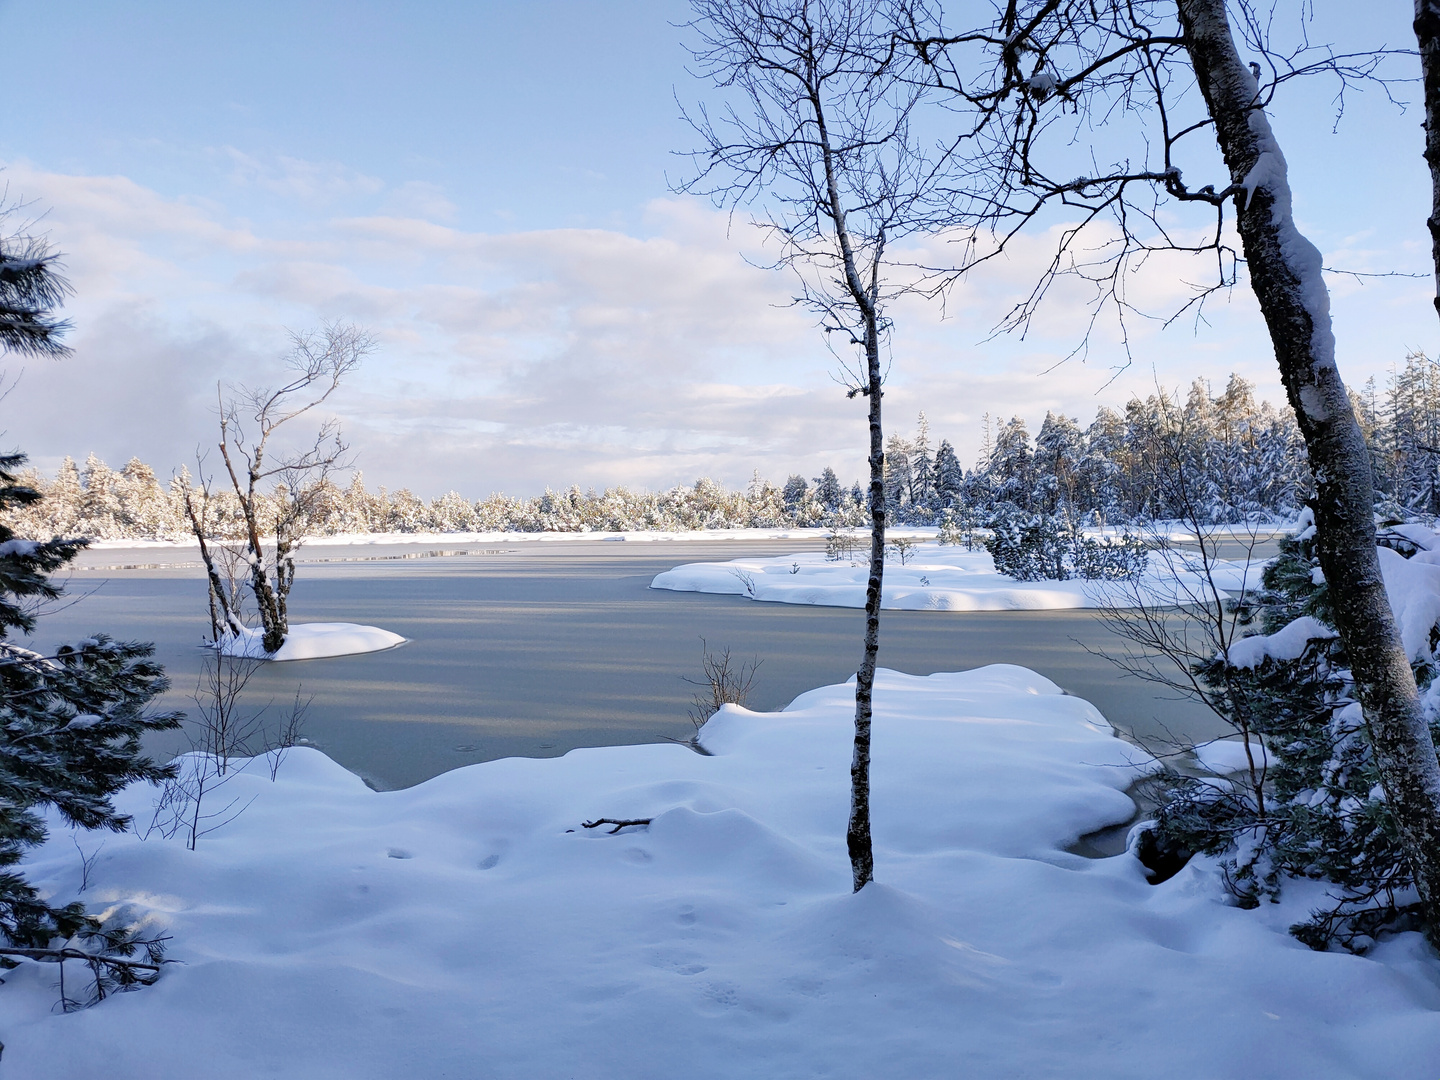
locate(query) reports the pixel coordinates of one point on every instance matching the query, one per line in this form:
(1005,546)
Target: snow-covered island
(311,641)
(937,577)
(473,926)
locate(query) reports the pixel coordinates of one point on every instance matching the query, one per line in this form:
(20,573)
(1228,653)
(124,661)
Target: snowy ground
(938,578)
(311,641)
(470,927)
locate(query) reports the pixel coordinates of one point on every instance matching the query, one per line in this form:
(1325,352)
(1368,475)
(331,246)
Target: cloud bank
(513,361)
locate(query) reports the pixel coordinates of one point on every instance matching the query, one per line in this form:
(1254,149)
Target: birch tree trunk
(866,297)
(857,834)
(1427,35)
(1285,273)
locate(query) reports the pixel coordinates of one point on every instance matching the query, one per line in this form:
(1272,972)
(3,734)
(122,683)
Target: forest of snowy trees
(1244,460)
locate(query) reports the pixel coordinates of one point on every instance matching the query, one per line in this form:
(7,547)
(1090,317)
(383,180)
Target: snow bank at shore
(937,578)
(471,926)
(312,641)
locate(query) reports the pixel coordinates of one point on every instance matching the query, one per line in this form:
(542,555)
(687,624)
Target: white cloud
(421,199)
(514,360)
(318,183)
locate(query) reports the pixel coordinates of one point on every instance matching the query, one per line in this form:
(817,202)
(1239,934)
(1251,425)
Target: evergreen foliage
(70,730)
(30,291)
(1048,547)
(1313,806)
(828,492)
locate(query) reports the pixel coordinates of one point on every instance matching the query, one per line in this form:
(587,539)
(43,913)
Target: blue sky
(484,185)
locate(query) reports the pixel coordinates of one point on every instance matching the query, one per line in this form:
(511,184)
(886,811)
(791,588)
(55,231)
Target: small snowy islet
(937,577)
(312,641)
(470,926)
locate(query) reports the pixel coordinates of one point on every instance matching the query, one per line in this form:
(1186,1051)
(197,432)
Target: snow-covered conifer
(828,491)
(1313,806)
(795,493)
(1011,468)
(948,475)
(897,472)
(70,730)
(1058,450)
(922,466)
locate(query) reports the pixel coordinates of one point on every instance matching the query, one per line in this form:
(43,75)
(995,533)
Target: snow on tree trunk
(1285,273)
(1427,34)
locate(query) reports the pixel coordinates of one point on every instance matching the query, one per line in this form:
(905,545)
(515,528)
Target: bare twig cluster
(1086,117)
(725,682)
(225,730)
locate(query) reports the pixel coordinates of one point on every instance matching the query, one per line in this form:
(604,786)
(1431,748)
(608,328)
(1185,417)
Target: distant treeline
(1240,461)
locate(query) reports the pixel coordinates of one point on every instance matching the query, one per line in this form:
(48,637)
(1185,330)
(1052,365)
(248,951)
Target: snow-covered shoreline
(939,578)
(1176,533)
(471,926)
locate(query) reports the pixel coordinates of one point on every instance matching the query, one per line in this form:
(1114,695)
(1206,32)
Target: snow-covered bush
(1028,548)
(1052,548)
(1120,558)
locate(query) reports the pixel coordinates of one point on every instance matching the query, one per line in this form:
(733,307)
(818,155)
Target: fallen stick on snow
(616,822)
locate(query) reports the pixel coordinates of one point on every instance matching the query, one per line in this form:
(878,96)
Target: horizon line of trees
(1246,459)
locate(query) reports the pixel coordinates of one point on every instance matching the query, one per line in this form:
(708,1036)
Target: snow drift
(471,926)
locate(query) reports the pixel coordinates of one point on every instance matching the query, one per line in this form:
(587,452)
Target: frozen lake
(533,649)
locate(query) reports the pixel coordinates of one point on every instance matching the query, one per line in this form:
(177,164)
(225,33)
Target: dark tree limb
(619,823)
(55,956)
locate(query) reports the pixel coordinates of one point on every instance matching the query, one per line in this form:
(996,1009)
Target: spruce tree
(1011,468)
(949,476)
(828,492)
(1315,808)
(795,493)
(70,730)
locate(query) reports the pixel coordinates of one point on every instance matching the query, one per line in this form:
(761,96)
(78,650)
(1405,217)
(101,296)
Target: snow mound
(1225,756)
(1413,586)
(312,641)
(471,926)
(1287,643)
(937,578)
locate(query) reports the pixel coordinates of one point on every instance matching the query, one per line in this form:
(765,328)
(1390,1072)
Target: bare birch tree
(1075,72)
(816,135)
(250,426)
